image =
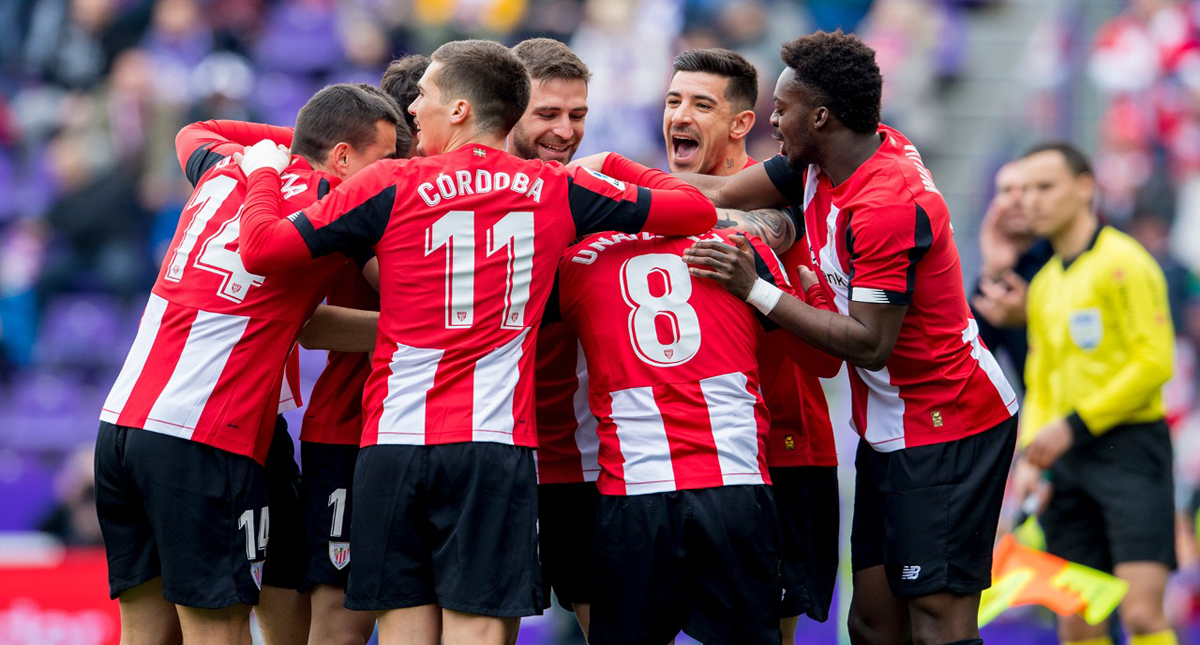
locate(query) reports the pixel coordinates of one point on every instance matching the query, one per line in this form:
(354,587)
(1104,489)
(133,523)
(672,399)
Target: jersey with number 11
(208,361)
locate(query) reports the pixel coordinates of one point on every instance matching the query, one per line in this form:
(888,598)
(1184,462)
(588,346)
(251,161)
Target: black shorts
(809,511)
(566,535)
(185,511)
(929,514)
(287,555)
(704,561)
(1113,499)
(453,525)
(328,480)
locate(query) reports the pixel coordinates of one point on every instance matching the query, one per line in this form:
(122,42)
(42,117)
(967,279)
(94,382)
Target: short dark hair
(742,88)
(548,59)
(489,76)
(1076,161)
(344,112)
(842,70)
(400,82)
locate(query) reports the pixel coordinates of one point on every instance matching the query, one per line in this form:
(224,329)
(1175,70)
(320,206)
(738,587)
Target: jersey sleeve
(809,358)
(353,216)
(202,145)
(885,244)
(602,203)
(788,182)
(1136,299)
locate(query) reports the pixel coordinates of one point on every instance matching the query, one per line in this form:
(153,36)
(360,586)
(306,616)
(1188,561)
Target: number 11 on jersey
(513,233)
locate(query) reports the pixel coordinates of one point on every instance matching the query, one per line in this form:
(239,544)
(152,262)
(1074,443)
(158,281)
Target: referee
(1100,350)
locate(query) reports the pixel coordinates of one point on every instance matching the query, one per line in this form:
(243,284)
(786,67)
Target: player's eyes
(576,117)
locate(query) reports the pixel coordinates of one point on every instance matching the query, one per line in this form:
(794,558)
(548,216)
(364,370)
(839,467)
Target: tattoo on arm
(771,225)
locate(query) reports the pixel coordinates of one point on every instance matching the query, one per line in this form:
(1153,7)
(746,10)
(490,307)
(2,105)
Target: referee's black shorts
(1113,499)
(929,514)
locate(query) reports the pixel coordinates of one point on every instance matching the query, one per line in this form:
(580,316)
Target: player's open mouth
(684,146)
(558,150)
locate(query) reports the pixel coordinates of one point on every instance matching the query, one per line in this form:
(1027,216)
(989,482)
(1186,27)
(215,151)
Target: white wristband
(764,296)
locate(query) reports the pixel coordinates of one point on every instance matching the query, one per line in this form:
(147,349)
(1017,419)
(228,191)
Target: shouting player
(709,111)
(467,241)
(185,431)
(936,416)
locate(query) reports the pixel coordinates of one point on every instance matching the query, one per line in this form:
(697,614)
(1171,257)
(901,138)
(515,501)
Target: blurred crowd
(92,93)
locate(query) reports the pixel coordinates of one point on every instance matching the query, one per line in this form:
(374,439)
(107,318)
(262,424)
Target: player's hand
(807,276)
(730,266)
(1001,301)
(595,162)
(1051,442)
(264,154)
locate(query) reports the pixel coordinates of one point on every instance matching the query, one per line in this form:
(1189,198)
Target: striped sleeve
(885,244)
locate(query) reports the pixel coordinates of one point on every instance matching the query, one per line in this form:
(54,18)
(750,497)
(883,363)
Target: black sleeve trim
(922,240)
(594,212)
(788,182)
(200,161)
(359,227)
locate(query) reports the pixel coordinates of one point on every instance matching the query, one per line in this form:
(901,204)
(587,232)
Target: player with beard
(936,416)
(551,130)
(447,549)
(709,111)
(186,430)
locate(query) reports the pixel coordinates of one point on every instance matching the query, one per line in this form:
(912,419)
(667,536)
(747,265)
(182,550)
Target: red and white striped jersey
(671,362)
(568,448)
(334,413)
(209,358)
(467,244)
(884,236)
(801,432)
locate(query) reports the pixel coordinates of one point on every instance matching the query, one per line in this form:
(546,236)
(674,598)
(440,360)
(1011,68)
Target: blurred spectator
(73,518)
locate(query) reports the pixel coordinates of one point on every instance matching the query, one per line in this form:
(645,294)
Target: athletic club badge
(339,554)
(256,573)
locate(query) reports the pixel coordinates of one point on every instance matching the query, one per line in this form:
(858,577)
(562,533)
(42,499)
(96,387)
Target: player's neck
(1070,242)
(847,151)
(466,138)
(731,162)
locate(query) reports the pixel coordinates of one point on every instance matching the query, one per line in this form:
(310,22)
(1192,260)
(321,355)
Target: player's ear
(460,112)
(820,117)
(742,122)
(338,157)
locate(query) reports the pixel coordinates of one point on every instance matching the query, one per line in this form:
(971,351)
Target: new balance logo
(911,572)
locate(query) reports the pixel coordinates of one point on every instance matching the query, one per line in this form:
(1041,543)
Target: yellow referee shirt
(1100,339)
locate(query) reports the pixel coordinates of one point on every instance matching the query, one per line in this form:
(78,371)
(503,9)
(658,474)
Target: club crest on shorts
(256,573)
(339,554)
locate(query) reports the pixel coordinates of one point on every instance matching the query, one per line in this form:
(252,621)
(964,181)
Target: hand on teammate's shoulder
(264,154)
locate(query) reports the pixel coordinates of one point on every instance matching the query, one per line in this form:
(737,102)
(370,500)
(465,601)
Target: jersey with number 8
(208,360)
(672,366)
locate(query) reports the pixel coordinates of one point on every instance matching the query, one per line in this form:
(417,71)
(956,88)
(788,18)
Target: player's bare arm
(340,329)
(771,225)
(864,338)
(749,189)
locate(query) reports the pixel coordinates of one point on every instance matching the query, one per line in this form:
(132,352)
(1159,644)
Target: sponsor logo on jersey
(910,572)
(616,183)
(256,573)
(339,554)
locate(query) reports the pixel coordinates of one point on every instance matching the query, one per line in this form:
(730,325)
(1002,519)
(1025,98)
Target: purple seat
(48,411)
(84,331)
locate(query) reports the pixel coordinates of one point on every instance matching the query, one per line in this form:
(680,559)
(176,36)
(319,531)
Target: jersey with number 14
(672,364)
(209,358)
